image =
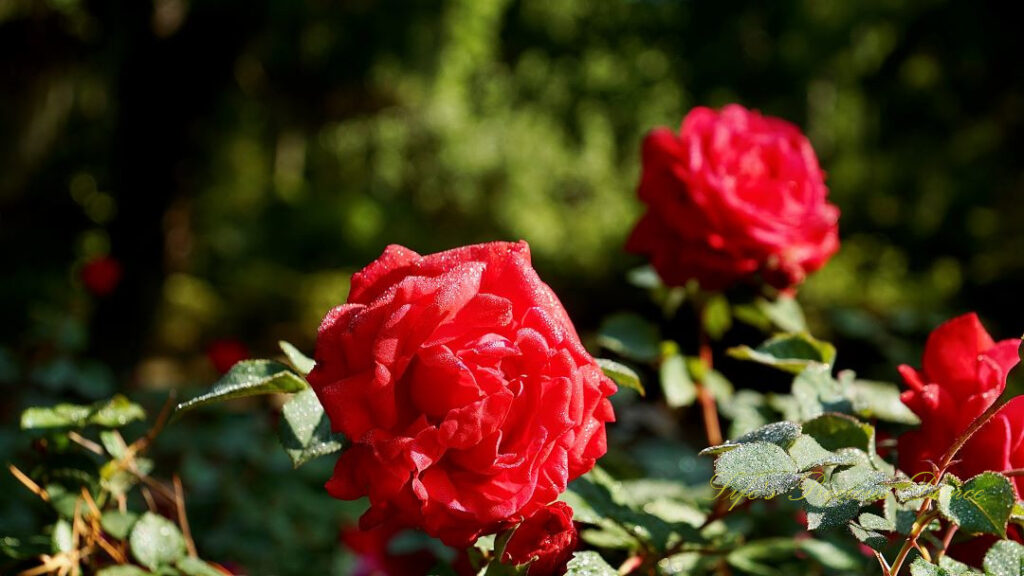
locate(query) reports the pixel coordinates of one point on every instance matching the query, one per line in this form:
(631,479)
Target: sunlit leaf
(622,375)
(248,378)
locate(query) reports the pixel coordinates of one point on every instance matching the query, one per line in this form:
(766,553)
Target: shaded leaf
(630,336)
(834,431)
(716,317)
(825,508)
(190,566)
(676,384)
(880,400)
(123,570)
(112,413)
(784,312)
(118,524)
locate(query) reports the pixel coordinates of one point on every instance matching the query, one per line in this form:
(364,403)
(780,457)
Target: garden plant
(479,433)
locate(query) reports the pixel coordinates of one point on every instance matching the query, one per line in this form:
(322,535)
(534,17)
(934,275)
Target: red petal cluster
(963,373)
(735,194)
(464,389)
(547,539)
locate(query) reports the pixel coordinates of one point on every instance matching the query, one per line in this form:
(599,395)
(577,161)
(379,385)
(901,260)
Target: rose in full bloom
(464,389)
(734,195)
(963,373)
(101,275)
(547,539)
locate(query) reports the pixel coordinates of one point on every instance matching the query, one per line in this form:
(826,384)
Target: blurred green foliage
(241,158)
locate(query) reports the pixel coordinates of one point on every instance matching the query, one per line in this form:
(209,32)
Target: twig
(85,442)
(32,486)
(1015,472)
(148,496)
(924,519)
(141,444)
(179,502)
(950,532)
(709,409)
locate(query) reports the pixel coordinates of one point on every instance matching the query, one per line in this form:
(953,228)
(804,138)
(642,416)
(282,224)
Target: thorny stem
(924,517)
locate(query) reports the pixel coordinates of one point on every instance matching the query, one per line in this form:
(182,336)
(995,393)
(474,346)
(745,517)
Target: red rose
(547,538)
(101,275)
(733,195)
(963,372)
(224,354)
(463,387)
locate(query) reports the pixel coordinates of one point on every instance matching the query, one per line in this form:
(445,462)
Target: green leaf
(621,374)
(248,378)
(817,392)
(630,336)
(808,455)
(757,470)
(825,508)
(784,312)
(156,541)
(1017,514)
(118,524)
(305,430)
(761,557)
(829,555)
(982,505)
(781,434)
(112,413)
(589,564)
(955,567)
(1005,558)
(861,483)
(190,566)
(113,443)
(304,364)
(598,499)
(922,567)
(834,431)
(24,548)
(870,538)
(716,317)
(880,400)
(676,384)
(789,352)
(123,570)
(62,538)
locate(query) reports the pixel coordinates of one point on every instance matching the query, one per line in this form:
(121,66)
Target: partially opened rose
(732,196)
(963,373)
(465,391)
(545,541)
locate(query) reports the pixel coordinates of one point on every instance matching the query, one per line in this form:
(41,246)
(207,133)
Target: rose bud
(734,195)
(546,540)
(463,387)
(963,373)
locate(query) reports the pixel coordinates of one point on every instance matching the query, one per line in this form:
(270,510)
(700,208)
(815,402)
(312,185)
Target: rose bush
(547,539)
(963,373)
(733,195)
(464,388)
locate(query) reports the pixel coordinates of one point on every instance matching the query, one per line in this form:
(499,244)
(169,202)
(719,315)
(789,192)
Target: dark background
(241,158)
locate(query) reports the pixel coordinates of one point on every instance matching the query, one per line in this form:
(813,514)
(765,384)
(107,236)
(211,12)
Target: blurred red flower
(101,275)
(735,194)
(224,354)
